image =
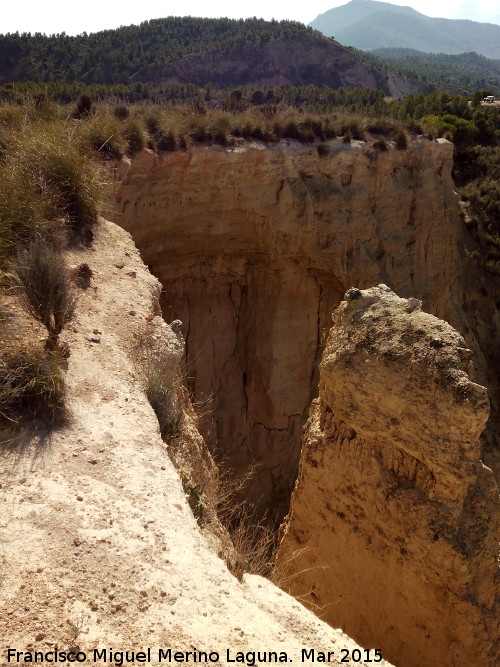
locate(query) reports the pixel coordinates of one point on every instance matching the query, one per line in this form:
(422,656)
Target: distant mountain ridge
(370,25)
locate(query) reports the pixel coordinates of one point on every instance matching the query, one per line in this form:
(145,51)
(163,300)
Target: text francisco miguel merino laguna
(249,658)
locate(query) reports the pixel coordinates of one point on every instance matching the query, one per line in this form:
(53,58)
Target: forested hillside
(459,74)
(197,51)
(113,56)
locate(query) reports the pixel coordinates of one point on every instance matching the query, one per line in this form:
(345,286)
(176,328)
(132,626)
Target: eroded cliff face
(393,528)
(99,548)
(255,247)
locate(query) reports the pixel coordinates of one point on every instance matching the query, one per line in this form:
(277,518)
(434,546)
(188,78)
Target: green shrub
(42,276)
(103,133)
(493,267)
(401,139)
(194,493)
(135,134)
(166,141)
(121,112)
(323,150)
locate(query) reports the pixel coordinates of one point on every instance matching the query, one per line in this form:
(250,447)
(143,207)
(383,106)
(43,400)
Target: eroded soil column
(394,522)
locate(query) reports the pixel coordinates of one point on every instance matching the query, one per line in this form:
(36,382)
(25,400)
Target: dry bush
(41,274)
(166,141)
(162,391)
(12,116)
(323,150)
(253,540)
(353,126)
(289,570)
(31,387)
(162,384)
(84,107)
(347,137)
(121,111)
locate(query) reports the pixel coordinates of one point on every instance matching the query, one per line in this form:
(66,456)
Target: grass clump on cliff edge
(45,175)
(31,388)
(115,130)
(49,196)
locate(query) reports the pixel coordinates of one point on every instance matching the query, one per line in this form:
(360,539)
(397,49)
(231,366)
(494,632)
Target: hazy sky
(76,16)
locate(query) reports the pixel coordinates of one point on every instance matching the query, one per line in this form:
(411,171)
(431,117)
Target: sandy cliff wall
(394,520)
(99,549)
(255,246)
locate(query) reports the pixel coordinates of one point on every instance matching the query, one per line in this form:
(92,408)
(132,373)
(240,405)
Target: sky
(76,16)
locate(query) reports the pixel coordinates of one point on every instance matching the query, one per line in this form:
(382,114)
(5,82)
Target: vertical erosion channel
(255,246)
(252,328)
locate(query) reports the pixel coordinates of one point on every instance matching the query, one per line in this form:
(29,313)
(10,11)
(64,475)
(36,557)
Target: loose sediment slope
(394,520)
(99,549)
(256,245)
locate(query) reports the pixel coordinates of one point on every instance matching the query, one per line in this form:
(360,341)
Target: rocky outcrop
(309,59)
(394,521)
(100,553)
(256,245)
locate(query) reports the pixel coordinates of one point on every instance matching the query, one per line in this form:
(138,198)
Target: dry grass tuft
(253,540)
(162,384)
(45,174)
(31,388)
(41,274)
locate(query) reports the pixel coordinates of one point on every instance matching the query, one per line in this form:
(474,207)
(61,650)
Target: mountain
(369,25)
(195,50)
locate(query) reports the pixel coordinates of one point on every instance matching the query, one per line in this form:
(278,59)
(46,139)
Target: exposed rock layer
(394,520)
(255,246)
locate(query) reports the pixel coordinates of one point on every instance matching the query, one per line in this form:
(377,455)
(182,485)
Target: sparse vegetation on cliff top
(49,197)
(50,183)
